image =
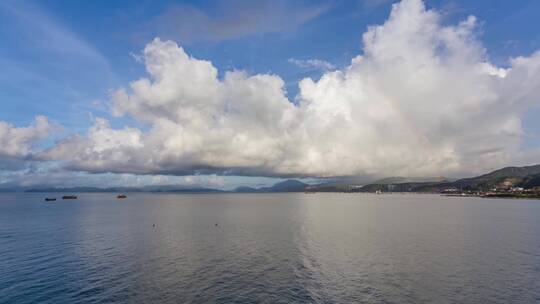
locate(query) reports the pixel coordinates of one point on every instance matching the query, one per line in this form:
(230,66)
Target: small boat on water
(69,197)
(121,196)
(50,199)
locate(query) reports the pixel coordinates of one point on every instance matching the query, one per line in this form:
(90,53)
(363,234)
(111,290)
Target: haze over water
(269,248)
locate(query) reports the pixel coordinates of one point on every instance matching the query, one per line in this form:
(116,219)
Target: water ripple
(279,248)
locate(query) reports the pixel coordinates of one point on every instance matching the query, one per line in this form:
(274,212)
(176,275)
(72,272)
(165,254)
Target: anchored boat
(50,199)
(121,196)
(69,197)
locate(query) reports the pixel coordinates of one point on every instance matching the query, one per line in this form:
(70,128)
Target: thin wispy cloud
(42,32)
(374,3)
(316,64)
(231,20)
(47,67)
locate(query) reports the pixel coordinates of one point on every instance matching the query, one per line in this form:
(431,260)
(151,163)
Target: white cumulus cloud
(421,99)
(18,143)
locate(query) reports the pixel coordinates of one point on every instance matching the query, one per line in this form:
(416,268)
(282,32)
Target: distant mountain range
(521,177)
(525,177)
(162,188)
(290,185)
(506,178)
(402,180)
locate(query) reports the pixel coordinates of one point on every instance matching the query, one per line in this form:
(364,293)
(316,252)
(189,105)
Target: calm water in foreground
(269,248)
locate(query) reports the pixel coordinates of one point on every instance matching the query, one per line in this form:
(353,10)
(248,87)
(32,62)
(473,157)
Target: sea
(268,248)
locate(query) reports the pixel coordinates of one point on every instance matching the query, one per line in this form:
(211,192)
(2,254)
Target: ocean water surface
(268,248)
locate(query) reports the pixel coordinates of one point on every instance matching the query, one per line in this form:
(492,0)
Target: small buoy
(215,224)
(153,225)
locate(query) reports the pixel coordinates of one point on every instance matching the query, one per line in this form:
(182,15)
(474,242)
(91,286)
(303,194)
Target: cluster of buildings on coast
(517,192)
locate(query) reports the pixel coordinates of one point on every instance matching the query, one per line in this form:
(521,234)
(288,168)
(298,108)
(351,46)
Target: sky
(242,93)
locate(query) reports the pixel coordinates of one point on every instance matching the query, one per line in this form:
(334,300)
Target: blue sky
(62,59)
